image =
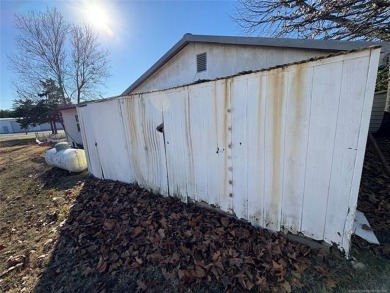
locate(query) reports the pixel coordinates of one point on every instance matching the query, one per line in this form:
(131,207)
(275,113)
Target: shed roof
(320,45)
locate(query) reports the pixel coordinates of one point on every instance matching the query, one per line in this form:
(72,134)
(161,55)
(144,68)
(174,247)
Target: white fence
(282,148)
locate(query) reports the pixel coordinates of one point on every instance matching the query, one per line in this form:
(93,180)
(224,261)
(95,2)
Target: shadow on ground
(17,141)
(121,238)
(92,256)
(61,179)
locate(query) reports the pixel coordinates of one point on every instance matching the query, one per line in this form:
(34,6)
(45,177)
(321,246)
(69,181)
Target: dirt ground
(62,232)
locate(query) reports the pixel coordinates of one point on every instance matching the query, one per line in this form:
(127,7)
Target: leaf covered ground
(73,233)
(374,196)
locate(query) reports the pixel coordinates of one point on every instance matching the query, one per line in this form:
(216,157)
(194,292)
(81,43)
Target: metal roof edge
(327,45)
(322,45)
(160,62)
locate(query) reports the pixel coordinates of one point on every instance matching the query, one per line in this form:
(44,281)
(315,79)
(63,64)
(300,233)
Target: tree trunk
(55,127)
(78,96)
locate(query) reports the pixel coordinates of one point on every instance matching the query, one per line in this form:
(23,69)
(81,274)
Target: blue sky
(142,31)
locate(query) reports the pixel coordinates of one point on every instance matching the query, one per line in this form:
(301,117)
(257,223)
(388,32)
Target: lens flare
(98,16)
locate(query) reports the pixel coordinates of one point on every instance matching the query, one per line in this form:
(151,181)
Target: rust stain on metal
(132,111)
(188,136)
(225,132)
(215,111)
(296,108)
(277,82)
(298,84)
(132,120)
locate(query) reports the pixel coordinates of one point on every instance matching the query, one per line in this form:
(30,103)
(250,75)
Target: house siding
(378,109)
(10,125)
(222,60)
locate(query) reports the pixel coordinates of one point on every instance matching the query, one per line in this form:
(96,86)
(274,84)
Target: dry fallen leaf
(137,231)
(277,267)
(199,272)
(286,286)
(109,224)
(331,284)
(161,232)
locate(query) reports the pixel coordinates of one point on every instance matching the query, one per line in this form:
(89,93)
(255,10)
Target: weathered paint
(73,134)
(141,115)
(281,148)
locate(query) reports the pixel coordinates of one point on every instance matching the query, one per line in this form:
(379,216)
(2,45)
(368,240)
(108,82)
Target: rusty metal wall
(281,148)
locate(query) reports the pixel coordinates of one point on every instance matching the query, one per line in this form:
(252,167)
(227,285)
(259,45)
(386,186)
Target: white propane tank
(62,156)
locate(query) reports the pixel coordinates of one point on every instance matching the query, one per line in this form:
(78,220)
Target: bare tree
(49,48)
(89,63)
(40,51)
(325,19)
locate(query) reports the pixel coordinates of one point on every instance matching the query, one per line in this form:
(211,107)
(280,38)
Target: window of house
(201,62)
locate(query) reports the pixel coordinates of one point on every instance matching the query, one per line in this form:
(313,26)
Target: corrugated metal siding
(282,148)
(378,109)
(141,116)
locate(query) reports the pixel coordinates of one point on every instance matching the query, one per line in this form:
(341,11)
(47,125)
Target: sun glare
(98,16)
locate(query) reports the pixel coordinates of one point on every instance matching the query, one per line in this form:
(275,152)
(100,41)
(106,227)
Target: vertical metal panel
(239,146)
(275,122)
(362,140)
(111,141)
(256,115)
(323,120)
(181,178)
(105,136)
(141,116)
(353,84)
(88,134)
(219,158)
(296,142)
(198,143)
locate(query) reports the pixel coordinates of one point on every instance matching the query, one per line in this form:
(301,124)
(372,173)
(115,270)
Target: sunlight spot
(98,16)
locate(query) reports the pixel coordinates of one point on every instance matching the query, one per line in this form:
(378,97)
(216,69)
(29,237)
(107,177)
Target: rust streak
(225,137)
(277,95)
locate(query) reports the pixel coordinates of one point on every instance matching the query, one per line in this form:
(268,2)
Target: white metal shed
(282,148)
